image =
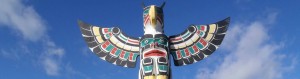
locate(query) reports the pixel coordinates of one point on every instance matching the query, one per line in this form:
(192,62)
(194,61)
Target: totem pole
(154,48)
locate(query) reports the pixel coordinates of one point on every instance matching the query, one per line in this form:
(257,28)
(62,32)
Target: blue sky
(41,39)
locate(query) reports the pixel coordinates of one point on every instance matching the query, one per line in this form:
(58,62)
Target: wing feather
(197,42)
(110,44)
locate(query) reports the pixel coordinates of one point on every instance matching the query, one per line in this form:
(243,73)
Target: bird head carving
(153,19)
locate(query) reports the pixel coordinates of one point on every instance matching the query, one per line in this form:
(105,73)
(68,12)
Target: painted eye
(162,60)
(161,40)
(147,61)
(146,41)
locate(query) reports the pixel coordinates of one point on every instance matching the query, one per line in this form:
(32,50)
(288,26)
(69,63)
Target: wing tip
(226,20)
(83,25)
(80,22)
(224,23)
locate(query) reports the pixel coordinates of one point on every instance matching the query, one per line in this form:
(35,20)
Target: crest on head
(153,19)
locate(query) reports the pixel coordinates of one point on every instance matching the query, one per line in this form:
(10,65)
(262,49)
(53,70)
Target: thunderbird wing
(111,44)
(197,42)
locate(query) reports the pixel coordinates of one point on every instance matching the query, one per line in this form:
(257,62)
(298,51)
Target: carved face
(153,20)
(155,47)
(154,56)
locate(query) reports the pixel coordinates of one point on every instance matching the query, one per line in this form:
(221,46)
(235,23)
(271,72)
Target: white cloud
(16,53)
(51,59)
(70,72)
(6,54)
(271,18)
(25,21)
(22,19)
(253,55)
(51,66)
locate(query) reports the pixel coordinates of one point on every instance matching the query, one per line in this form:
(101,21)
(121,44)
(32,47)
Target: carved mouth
(155,52)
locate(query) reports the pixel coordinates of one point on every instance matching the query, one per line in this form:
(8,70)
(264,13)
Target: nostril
(152,45)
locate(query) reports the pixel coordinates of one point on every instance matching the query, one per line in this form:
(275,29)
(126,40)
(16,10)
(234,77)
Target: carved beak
(152,16)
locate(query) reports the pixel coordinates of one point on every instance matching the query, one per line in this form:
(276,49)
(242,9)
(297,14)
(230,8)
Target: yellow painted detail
(162,77)
(127,47)
(135,49)
(96,31)
(156,77)
(149,77)
(152,16)
(209,37)
(114,40)
(189,42)
(212,28)
(181,45)
(195,37)
(120,44)
(99,39)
